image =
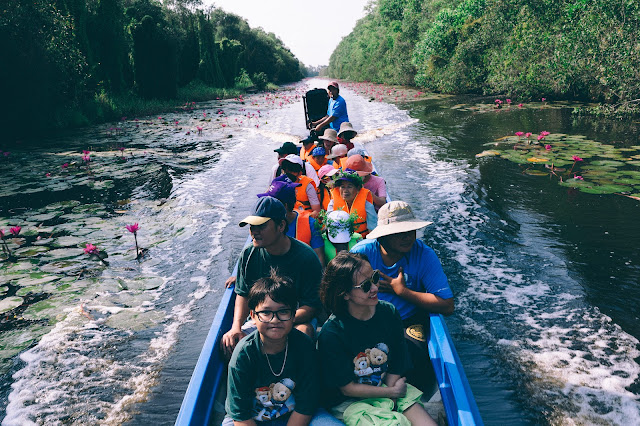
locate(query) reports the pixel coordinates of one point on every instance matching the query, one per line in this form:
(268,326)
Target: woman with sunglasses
(362,350)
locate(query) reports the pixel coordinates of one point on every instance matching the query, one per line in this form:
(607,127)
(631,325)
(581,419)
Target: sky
(311,30)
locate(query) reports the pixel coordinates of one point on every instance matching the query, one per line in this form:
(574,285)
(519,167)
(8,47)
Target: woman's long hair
(338,281)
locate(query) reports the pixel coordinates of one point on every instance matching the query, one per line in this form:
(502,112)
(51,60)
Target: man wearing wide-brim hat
(336,111)
(411,277)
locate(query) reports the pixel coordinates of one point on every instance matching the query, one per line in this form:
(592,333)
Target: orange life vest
(303,229)
(358,206)
(305,154)
(324,196)
(315,165)
(302,200)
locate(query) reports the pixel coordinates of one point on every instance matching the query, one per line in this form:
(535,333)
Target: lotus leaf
(487,154)
(64,253)
(10,303)
(68,241)
(129,319)
(30,251)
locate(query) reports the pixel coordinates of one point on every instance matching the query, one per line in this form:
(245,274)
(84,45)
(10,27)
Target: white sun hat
(396,217)
(338,227)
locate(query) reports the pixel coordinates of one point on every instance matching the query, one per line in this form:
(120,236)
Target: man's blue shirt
(338,109)
(423,269)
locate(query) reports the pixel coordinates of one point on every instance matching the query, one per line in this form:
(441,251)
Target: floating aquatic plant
(92,250)
(134,230)
(603,169)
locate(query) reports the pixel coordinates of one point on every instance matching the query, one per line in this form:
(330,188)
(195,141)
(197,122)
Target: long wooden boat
(207,380)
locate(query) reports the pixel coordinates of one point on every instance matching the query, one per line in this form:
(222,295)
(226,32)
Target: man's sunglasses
(366,284)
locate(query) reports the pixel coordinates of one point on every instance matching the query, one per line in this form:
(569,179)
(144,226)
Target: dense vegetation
(581,49)
(66,62)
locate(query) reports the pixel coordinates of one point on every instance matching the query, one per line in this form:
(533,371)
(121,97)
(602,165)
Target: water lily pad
(64,267)
(607,163)
(10,303)
(533,172)
(61,205)
(30,251)
(3,289)
(537,160)
(142,283)
(38,280)
(44,217)
(64,253)
(488,153)
(67,241)
(129,319)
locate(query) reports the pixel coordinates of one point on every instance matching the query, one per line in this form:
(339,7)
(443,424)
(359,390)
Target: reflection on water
(545,279)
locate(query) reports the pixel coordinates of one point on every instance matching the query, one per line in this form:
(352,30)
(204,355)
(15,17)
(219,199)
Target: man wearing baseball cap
(336,112)
(289,148)
(411,278)
(272,248)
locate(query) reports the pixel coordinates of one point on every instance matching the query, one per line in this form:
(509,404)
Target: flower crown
(350,175)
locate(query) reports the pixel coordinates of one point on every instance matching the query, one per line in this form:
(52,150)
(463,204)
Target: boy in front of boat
(272,248)
(273,371)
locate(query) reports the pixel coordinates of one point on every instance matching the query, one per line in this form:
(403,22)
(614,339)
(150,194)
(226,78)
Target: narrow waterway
(545,278)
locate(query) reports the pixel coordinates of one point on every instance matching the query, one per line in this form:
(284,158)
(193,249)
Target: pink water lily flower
(576,158)
(133,228)
(91,249)
(508,101)
(65,165)
(47,174)
(544,99)
(520,105)
(545,133)
(540,137)
(547,147)
(85,152)
(15,230)
(518,134)
(86,158)
(578,177)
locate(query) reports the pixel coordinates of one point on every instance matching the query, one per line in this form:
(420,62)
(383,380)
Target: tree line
(572,49)
(65,57)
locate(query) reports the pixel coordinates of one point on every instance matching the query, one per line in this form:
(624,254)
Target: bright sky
(311,30)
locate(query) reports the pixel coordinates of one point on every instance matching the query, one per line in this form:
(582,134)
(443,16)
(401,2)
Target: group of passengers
(368,364)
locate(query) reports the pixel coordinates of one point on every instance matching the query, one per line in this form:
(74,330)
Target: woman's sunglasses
(366,284)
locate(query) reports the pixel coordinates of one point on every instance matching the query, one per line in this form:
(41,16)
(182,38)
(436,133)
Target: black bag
(316,102)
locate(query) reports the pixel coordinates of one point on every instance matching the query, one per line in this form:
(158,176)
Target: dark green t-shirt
(351,350)
(253,392)
(300,263)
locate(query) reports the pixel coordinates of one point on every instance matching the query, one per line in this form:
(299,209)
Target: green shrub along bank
(72,62)
(569,49)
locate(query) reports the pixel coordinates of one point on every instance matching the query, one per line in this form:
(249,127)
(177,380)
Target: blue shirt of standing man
(336,112)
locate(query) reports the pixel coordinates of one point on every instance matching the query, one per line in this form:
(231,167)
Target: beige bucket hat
(396,217)
(329,135)
(346,127)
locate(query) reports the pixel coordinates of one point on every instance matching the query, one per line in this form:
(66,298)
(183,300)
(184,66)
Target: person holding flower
(350,196)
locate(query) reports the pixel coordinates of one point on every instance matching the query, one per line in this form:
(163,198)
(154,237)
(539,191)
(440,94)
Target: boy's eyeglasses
(366,284)
(282,314)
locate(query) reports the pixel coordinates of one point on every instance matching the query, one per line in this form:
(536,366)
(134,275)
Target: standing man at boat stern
(411,278)
(336,112)
(272,248)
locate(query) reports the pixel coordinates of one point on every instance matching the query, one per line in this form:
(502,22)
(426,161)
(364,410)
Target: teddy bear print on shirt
(274,400)
(371,365)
